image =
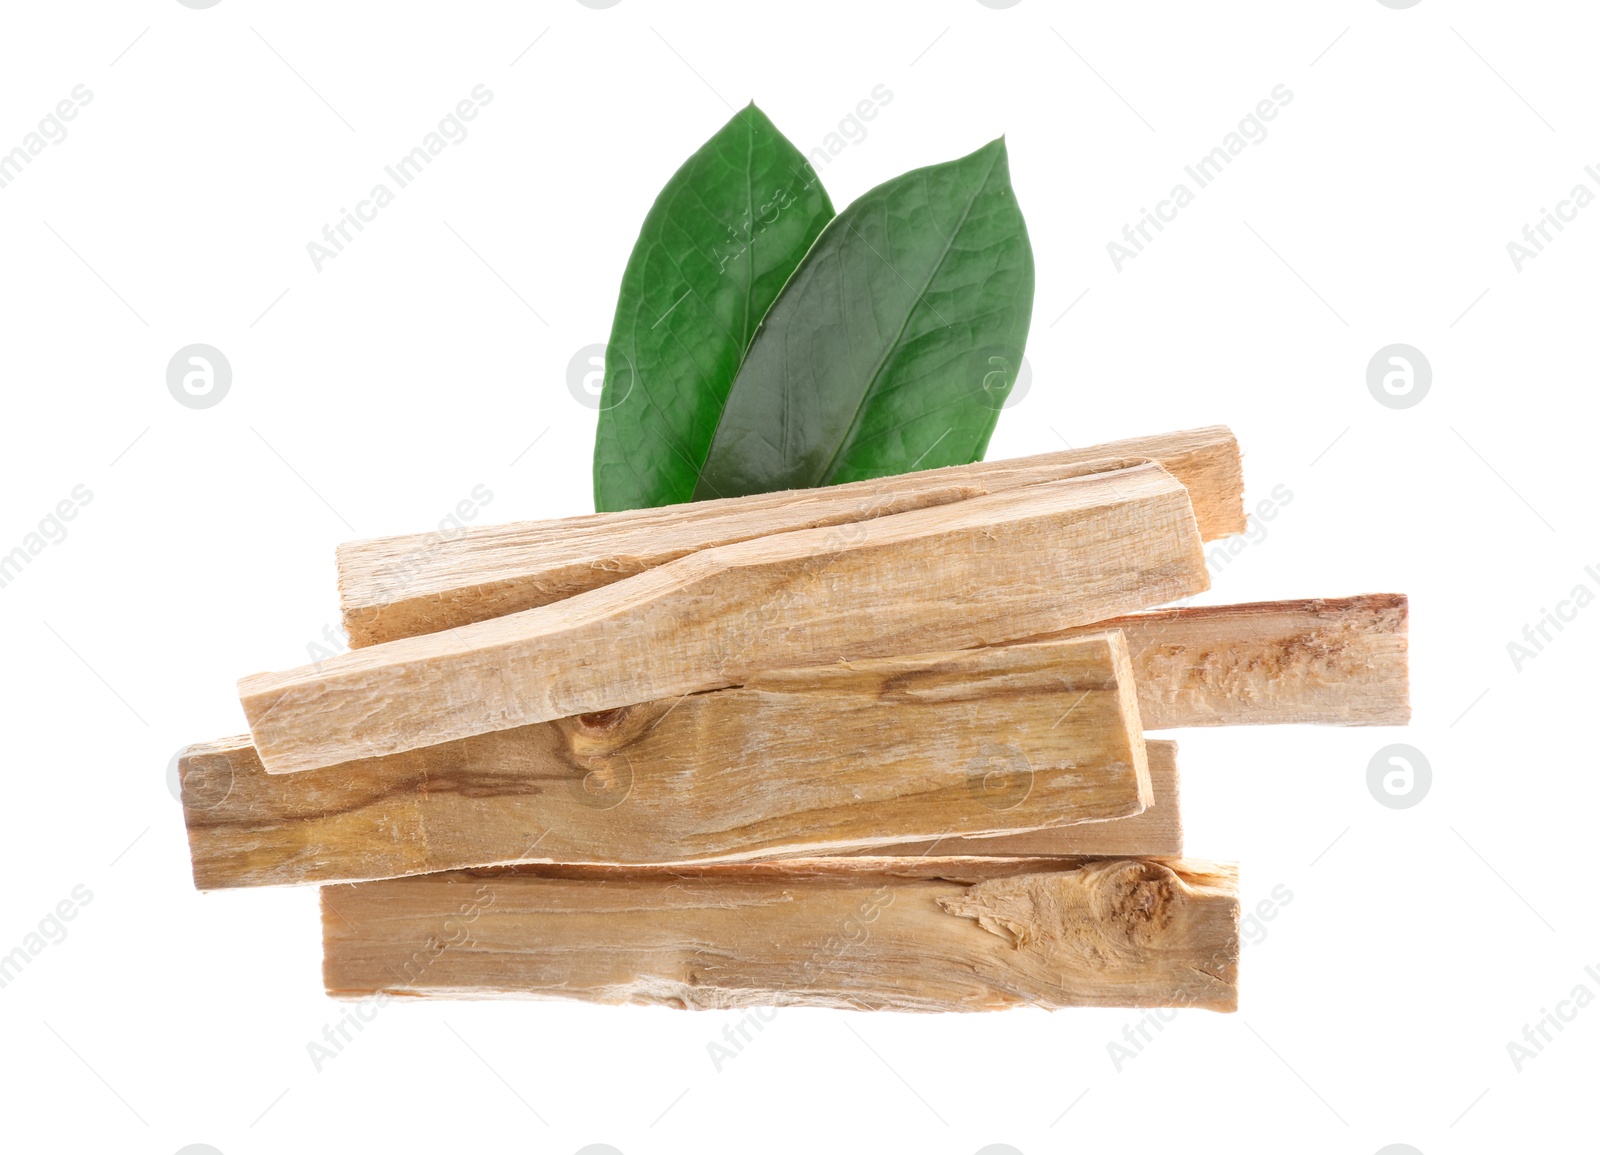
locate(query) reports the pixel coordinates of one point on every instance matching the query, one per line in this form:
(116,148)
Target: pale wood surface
(1155,833)
(394,587)
(1022,562)
(1333,661)
(801,761)
(907,934)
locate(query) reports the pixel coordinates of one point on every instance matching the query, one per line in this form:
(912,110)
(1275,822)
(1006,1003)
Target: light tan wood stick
(912,934)
(1333,661)
(396,587)
(801,761)
(1022,562)
(1156,833)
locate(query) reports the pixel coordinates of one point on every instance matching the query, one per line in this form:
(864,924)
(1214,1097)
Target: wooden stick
(794,762)
(1156,833)
(1333,661)
(395,587)
(1328,661)
(1022,562)
(909,934)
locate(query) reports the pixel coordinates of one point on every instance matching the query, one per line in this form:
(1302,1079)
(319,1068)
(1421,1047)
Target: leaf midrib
(750,249)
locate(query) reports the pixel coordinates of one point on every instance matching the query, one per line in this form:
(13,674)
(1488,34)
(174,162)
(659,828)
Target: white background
(371,397)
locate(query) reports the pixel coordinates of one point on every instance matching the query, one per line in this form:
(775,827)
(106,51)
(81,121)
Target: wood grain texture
(907,934)
(1155,833)
(1330,661)
(1022,562)
(395,587)
(807,761)
(1339,661)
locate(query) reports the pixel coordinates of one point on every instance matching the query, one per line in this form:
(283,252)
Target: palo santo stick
(1022,562)
(908,934)
(1156,833)
(397,587)
(804,761)
(1334,661)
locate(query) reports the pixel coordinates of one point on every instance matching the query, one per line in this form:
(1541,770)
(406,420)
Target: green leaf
(894,344)
(715,250)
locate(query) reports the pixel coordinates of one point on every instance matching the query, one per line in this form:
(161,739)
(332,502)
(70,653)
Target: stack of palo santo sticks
(878,745)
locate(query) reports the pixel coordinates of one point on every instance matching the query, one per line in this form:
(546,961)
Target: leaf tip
(752,115)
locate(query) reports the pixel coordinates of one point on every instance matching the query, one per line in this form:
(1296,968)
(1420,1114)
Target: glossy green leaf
(895,343)
(714,252)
